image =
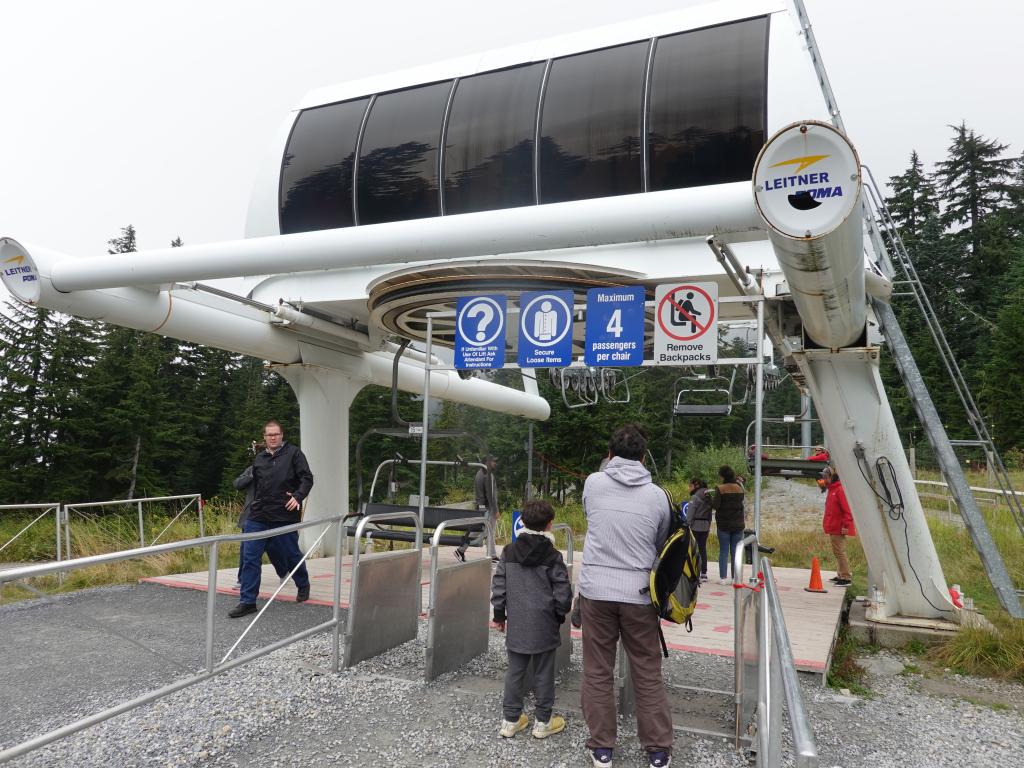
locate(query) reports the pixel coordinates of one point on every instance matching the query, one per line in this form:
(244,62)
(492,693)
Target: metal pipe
(211,604)
(339,543)
(804,748)
(570,543)
(744,277)
(642,217)
(40,517)
(758,427)
(425,436)
(334,330)
(142,530)
(43,569)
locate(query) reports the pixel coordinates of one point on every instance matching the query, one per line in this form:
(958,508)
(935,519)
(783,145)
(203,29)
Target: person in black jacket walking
(282,481)
(727,502)
(530,591)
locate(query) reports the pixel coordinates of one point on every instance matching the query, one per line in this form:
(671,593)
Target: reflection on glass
(316,172)
(488,155)
(397,176)
(590,127)
(707,105)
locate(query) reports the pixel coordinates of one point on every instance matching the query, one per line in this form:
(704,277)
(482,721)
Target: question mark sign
(487,312)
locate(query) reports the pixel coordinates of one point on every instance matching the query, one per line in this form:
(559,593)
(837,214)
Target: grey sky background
(119,112)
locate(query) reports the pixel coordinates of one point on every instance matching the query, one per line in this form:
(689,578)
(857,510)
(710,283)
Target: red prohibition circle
(668,297)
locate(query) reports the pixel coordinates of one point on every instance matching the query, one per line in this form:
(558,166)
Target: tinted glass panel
(316,172)
(488,155)
(590,130)
(707,105)
(397,175)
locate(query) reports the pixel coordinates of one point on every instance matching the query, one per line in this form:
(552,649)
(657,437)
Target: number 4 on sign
(615,323)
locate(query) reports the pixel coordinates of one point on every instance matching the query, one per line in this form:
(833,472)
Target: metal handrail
(77,507)
(211,670)
(570,544)
(47,509)
(804,749)
(360,528)
(42,569)
(435,542)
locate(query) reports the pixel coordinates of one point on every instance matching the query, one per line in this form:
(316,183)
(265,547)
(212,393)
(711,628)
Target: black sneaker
(841,582)
(459,555)
(303,594)
(495,559)
(659,759)
(242,609)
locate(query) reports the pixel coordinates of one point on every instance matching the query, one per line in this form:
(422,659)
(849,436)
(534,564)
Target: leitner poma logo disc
(807,180)
(18,271)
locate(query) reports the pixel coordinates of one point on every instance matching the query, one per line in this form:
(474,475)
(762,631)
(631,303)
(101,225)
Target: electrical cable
(894,508)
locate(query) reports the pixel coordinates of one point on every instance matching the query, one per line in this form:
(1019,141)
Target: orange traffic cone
(815,585)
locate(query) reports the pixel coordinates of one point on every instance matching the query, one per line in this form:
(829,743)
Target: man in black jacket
(282,480)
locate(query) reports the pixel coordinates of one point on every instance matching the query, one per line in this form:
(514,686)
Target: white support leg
(324,397)
(854,410)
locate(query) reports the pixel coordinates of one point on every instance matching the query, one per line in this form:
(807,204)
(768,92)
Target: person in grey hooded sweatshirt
(628,520)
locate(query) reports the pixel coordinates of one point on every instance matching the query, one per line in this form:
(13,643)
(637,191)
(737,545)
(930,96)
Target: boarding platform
(812,619)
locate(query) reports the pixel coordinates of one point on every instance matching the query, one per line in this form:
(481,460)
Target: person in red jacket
(838,524)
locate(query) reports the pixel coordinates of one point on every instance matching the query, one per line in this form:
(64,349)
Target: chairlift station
(702,146)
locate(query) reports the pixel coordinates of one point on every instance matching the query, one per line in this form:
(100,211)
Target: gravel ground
(278,712)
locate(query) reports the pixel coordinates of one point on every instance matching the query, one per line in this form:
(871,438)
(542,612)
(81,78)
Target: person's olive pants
(604,622)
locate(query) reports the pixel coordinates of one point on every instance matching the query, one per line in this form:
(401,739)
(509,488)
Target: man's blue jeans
(727,543)
(281,549)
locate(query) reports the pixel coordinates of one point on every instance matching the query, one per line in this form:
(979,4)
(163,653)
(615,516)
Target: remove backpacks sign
(686,324)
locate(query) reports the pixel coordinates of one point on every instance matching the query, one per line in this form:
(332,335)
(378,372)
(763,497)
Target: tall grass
(113,533)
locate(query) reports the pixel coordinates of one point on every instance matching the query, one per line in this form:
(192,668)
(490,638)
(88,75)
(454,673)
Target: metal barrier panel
(746,665)
(457,625)
(384,610)
(563,656)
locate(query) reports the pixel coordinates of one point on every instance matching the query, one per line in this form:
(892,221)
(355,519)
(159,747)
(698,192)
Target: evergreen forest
(90,411)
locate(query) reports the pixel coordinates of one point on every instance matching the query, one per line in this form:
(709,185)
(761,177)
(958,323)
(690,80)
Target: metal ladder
(881,227)
(879,221)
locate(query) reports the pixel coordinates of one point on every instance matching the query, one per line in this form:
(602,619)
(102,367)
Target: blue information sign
(480,332)
(545,329)
(517,524)
(615,327)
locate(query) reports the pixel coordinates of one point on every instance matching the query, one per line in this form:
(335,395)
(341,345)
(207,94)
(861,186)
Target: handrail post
(202,528)
(142,535)
(56,520)
(339,543)
(570,543)
(211,603)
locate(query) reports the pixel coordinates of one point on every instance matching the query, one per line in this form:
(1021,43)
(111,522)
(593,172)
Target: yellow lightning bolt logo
(15,260)
(801,162)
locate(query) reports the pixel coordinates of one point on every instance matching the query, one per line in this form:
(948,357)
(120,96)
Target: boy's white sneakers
(510,728)
(555,725)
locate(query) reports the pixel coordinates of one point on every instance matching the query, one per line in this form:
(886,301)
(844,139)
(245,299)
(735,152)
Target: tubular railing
(212,669)
(193,498)
(777,680)
(46,509)
(570,543)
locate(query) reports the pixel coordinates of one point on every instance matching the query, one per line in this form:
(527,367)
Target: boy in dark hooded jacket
(531,592)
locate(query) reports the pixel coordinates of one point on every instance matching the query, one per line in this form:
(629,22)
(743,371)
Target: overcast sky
(125,112)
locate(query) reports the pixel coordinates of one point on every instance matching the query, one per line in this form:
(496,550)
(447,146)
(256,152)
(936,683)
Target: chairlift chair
(716,388)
